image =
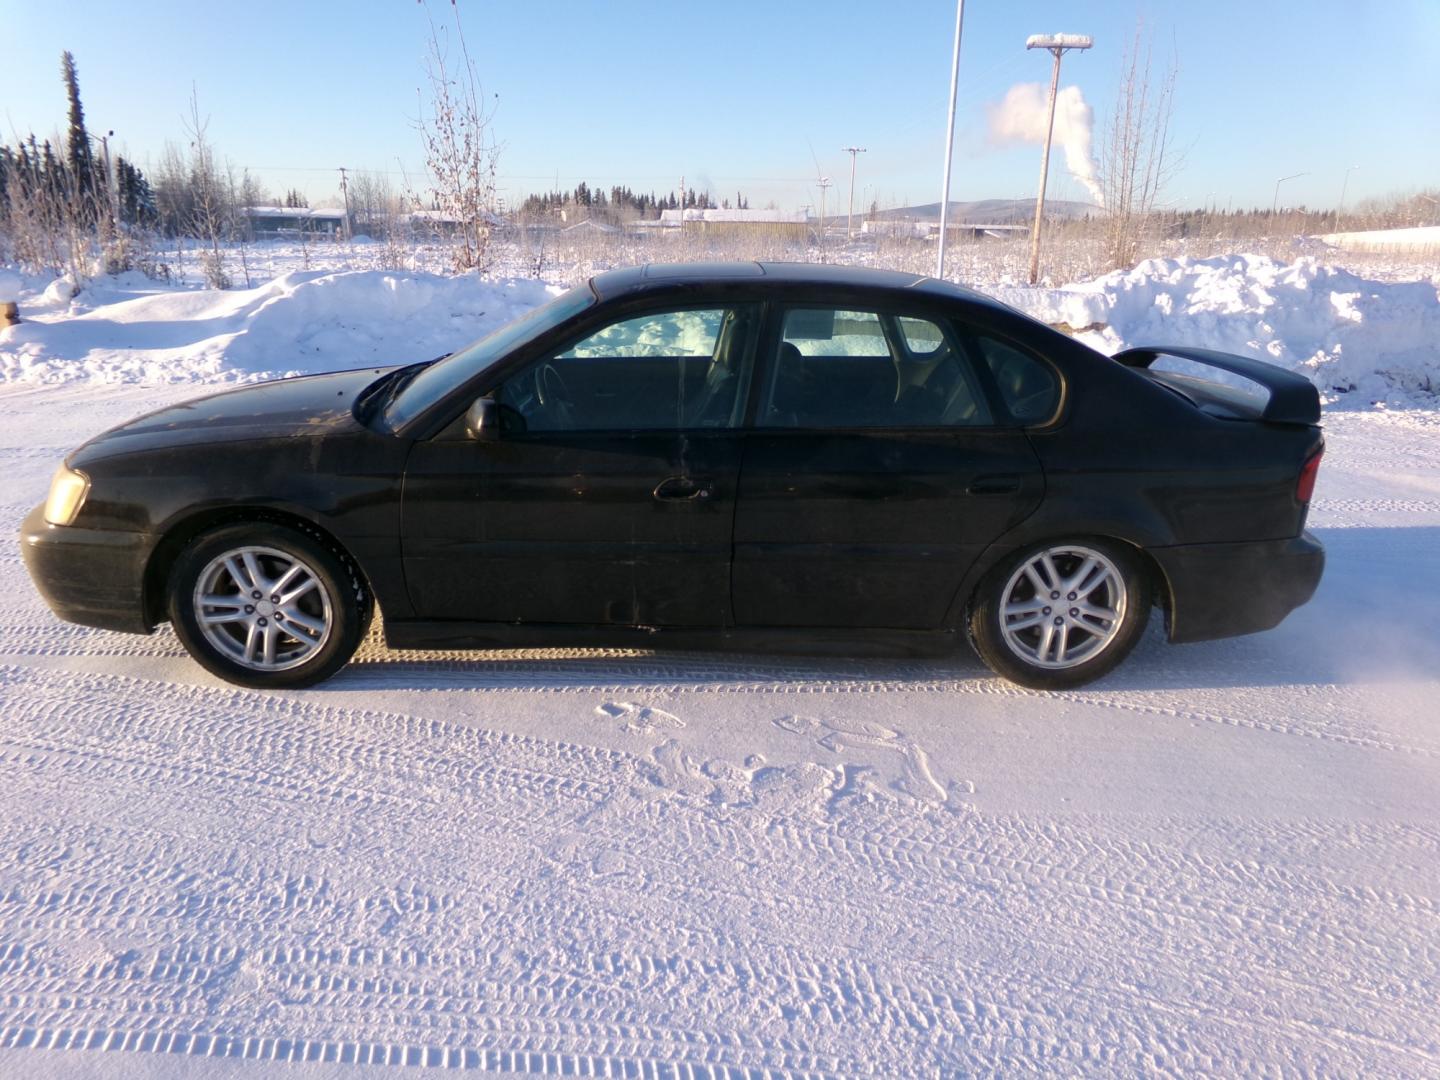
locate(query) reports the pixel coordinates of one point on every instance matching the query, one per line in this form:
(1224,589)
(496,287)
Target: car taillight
(1305,486)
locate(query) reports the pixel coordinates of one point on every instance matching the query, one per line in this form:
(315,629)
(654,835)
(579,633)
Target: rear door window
(837,368)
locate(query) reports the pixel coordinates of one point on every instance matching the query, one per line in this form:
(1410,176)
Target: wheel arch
(1008,546)
(181,533)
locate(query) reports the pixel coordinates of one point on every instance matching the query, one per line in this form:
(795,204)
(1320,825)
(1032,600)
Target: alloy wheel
(1062,606)
(263,608)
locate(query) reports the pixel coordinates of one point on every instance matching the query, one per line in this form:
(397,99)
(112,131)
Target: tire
(322,614)
(1057,641)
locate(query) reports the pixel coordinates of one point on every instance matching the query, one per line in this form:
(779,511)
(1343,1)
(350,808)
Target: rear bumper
(1223,590)
(93,577)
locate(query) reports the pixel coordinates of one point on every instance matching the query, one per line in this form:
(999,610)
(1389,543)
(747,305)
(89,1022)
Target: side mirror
(482,420)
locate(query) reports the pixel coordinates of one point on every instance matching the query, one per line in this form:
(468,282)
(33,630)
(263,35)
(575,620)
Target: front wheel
(1060,614)
(267,606)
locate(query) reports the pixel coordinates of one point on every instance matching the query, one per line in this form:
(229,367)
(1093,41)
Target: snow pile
(124,329)
(1367,340)
(1422,240)
(1380,340)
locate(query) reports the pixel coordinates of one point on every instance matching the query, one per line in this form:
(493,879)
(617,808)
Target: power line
(556,177)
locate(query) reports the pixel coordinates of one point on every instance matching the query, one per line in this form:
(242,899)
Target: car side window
(667,370)
(837,368)
(1028,387)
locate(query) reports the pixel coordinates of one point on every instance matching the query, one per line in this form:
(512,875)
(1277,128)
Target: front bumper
(94,577)
(1223,590)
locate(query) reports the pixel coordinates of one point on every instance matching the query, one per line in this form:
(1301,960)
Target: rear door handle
(997,484)
(684,488)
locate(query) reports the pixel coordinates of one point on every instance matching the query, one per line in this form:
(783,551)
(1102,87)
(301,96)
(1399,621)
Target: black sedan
(745,455)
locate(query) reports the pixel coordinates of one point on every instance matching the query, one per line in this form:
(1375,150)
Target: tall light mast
(1058,44)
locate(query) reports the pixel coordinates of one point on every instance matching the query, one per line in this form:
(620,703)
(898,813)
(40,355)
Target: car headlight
(67,495)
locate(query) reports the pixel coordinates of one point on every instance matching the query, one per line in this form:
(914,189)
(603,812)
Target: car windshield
(437,380)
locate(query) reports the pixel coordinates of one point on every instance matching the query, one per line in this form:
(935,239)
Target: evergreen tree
(7,167)
(51,172)
(80,164)
(137,200)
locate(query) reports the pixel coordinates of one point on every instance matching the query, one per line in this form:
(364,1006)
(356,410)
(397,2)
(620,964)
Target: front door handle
(684,488)
(996,484)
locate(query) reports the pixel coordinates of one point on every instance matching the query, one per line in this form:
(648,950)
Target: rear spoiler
(1293,398)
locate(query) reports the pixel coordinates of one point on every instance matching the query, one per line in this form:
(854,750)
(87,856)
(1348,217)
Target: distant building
(590,225)
(270,222)
(929,230)
(738,222)
(442,223)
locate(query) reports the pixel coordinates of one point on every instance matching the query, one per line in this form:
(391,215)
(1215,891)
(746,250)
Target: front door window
(663,371)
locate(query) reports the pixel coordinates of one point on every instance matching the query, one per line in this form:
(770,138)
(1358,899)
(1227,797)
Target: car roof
(762,276)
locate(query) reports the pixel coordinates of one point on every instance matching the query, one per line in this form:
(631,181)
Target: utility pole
(949,142)
(345,193)
(1057,44)
(850,212)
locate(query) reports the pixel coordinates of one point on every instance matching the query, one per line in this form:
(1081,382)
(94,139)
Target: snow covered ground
(1223,859)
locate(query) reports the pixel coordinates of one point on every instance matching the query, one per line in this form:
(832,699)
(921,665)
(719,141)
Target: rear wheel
(1060,614)
(267,606)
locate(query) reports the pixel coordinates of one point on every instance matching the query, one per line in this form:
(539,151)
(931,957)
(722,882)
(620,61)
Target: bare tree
(243,194)
(211,208)
(1136,153)
(460,150)
(372,202)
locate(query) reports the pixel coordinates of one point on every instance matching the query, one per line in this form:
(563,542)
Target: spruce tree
(79,162)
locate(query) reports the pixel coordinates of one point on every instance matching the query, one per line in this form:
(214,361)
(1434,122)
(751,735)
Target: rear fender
(1065,520)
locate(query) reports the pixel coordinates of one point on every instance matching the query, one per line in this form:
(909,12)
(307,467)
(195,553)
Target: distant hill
(992,211)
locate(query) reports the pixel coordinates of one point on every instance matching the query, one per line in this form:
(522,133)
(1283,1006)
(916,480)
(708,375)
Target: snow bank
(1379,340)
(1362,341)
(124,330)
(1423,240)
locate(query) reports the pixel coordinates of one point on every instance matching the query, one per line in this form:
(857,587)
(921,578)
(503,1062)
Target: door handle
(996,484)
(684,488)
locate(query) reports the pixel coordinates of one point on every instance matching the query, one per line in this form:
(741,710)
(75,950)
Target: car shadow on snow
(1374,616)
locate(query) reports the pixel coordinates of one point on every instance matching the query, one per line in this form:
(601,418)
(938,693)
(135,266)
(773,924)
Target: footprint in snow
(838,735)
(639,719)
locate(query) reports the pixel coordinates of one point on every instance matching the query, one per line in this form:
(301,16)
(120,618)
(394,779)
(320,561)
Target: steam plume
(1020,117)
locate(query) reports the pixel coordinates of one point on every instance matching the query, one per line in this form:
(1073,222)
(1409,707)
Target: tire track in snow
(935,877)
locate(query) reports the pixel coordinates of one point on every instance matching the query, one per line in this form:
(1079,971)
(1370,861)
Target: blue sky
(748,95)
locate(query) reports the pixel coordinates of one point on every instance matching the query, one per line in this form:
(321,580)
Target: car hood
(285,408)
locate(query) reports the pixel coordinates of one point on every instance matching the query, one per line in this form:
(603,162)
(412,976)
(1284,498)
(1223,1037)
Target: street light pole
(1343,188)
(850,212)
(822,183)
(949,142)
(1056,44)
(1275,203)
(112,188)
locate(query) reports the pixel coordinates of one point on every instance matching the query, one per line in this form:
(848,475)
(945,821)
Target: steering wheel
(552,393)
